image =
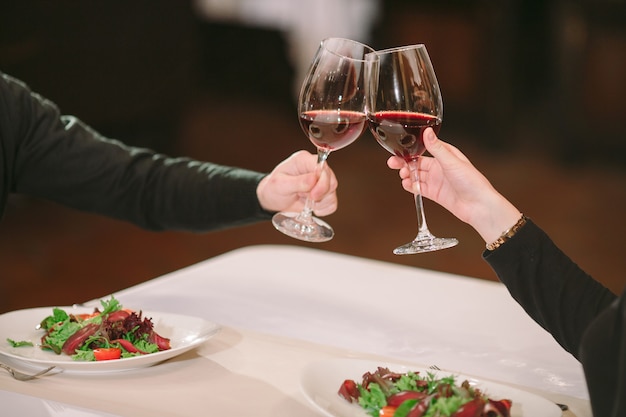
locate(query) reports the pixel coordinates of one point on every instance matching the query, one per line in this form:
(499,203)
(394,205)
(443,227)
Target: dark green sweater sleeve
(56,157)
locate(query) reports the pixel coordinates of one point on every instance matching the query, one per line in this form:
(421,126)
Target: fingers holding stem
(309,205)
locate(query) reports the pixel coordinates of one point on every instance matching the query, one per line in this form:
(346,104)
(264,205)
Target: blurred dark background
(534,94)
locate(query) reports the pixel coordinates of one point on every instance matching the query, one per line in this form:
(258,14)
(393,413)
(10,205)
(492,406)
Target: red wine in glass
(331,109)
(403,100)
(331,129)
(402,133)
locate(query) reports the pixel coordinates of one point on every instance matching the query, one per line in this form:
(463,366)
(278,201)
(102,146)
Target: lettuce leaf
(20,343)
(58,315)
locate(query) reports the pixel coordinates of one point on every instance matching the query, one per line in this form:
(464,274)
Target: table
(282,307)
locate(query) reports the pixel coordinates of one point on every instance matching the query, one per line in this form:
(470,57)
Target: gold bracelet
(507,234)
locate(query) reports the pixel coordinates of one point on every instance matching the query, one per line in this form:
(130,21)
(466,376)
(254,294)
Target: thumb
(445,153)
(434,145)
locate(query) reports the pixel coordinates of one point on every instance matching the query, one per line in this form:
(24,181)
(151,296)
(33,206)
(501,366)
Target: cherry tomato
(105,354)
(388,411)
(349,391)
(86,316)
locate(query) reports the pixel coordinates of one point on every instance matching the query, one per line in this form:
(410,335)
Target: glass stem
(422,227)
(306,214)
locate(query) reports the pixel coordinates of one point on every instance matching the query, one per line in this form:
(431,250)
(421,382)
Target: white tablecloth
(456,322)
(271,298)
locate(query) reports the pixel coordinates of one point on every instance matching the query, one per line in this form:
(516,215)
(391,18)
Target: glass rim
(365,47)
(397,49)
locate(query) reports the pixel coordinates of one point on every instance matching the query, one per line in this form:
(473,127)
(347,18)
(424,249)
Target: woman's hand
(287,186)
(450,179)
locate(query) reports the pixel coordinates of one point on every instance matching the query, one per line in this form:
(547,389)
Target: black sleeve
(552,289)
(584,317)
(61,159)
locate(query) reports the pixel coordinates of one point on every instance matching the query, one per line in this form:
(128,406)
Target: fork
(20,376)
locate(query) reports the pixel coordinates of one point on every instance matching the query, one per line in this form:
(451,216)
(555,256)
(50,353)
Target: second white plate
(321,381)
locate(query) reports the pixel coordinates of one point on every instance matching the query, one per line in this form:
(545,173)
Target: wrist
(260,193)
(507,234)
(498,217)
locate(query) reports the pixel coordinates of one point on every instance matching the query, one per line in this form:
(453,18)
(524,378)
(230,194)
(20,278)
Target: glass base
(313,230)
(426,244)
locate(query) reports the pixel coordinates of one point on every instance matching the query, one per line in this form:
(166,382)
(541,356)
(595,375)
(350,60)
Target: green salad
(111,332)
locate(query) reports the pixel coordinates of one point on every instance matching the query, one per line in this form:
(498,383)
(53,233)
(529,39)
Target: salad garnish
(19,343)
(108,333)
(384,393)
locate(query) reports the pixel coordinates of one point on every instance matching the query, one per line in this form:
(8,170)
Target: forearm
(552,289)
(153,191)
(61,159)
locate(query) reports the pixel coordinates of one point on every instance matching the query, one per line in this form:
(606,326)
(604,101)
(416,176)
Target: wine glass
(331,109)
(403,99)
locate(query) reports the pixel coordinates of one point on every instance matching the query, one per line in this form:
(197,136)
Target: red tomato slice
(349,391)
(86,316)
(388,411)
(105,354)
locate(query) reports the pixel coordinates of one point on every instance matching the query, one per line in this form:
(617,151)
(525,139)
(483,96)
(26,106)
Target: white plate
(321,381)
(184,333)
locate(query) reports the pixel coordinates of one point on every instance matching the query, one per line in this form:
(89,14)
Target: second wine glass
(331,109)
(403,99)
